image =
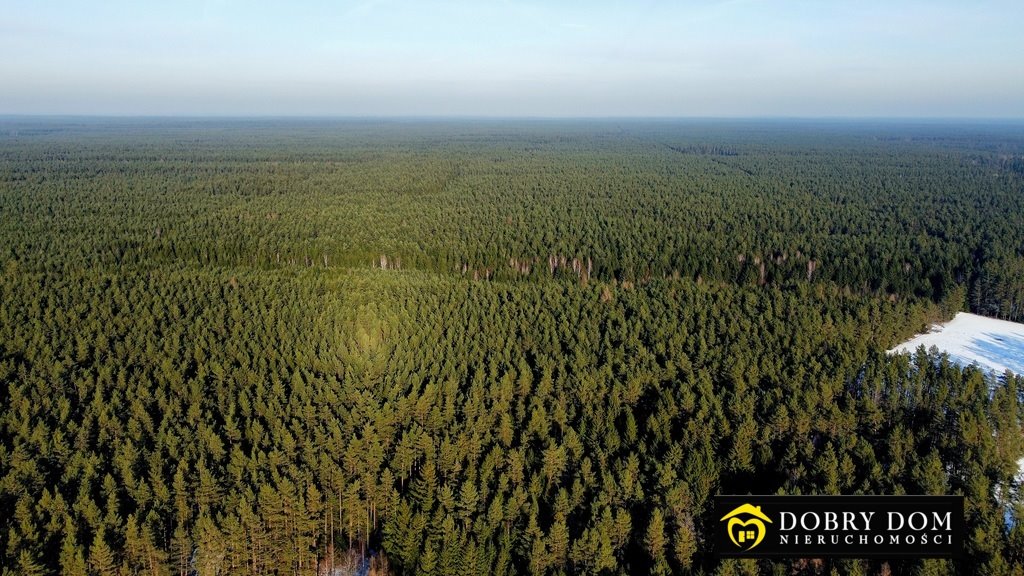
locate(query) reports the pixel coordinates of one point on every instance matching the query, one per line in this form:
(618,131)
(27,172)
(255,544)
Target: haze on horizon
(730,58)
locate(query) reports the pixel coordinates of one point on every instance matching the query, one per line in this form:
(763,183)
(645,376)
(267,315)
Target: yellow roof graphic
(748,509)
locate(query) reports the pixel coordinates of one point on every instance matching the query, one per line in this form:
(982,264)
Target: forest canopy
(425,347)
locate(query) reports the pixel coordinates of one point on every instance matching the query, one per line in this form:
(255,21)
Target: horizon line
(532,117)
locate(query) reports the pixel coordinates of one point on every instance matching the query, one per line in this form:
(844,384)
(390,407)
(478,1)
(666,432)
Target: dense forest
(492,347)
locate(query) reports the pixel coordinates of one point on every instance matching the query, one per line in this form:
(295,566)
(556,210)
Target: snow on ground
(995,345)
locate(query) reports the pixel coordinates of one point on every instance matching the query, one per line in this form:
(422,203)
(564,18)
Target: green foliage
(469,348)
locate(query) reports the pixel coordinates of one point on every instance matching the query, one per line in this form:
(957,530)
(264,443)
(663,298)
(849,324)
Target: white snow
(994,345)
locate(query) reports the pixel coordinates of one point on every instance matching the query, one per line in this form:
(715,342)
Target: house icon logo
(746,526)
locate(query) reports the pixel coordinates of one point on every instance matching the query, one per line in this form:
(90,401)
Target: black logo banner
(839,526)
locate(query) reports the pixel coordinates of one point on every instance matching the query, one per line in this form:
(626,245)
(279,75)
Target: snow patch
(994,345)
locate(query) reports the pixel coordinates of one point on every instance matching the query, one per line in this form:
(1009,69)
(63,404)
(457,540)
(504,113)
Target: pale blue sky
(513,58)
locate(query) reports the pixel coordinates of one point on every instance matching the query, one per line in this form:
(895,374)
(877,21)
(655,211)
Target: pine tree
(101,557)
(428,560)
(72,560)
(654,538)
(558,541)
(29,566)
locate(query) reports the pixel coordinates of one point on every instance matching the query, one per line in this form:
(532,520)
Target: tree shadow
(1004,349)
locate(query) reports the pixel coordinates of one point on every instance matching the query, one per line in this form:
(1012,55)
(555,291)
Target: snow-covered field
(995,345)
